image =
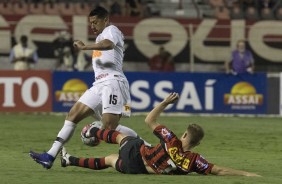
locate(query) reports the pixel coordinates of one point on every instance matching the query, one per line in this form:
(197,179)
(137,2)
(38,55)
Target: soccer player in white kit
(109,97)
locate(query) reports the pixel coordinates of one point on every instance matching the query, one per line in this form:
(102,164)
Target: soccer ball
(91,141)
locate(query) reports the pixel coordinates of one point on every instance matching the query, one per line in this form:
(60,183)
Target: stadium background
(199,44)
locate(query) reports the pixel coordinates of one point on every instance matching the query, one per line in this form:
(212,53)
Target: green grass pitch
(248,143)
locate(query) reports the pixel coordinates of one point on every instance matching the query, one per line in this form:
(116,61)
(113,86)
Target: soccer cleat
(44,159)
(96,125)
(64,157)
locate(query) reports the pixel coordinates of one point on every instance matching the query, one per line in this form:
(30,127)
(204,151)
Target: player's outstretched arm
(102,45)
(224,171)
(151,119)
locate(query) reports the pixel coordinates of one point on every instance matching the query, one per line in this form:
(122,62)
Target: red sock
(106,135)
(91,163)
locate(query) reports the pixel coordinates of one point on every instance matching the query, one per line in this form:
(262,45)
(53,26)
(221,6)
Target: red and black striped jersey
(169,157)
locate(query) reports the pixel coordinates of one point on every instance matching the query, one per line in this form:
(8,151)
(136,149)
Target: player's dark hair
(100,12)
(196,134)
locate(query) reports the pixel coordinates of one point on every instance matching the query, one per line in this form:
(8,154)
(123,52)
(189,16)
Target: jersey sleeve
(201,165)
(164,134)
(113,34)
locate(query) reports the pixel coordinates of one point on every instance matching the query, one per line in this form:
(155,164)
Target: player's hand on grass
(253,174)
(171,98)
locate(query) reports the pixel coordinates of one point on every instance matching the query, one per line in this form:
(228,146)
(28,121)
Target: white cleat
(65,158)
(96,124)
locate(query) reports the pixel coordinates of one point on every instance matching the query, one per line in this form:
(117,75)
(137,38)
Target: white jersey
(112,60)
(110,91)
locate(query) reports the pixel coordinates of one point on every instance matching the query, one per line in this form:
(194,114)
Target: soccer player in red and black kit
(172,156)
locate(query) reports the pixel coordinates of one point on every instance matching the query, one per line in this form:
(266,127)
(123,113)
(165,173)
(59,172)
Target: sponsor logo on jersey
(201,163)
(166,133)
(103,75)
(127,108)
(96,53)
(177,158)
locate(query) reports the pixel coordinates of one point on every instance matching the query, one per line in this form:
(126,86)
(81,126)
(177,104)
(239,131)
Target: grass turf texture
(251,144)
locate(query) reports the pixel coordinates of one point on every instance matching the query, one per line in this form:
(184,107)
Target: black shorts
(130,160)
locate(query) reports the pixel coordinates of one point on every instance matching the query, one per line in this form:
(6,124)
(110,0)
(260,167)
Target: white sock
(128,131)
(63,136)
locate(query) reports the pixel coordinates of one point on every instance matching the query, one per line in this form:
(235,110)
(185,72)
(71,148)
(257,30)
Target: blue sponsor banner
(199,92)
(68,87)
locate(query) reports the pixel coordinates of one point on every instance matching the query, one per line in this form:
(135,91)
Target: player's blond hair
(196,134)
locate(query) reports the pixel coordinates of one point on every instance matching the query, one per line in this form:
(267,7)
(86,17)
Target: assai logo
(71,91)
(243,95)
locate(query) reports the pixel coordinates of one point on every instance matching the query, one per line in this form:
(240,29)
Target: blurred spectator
(251,14)
(162,61)
(242,60)
(103,3)
(133,8)
(66,8)
(221,12)
(219,8)
(20,8)
(266,4)
(169,65)
(116,8)
(50,1)
(83,61)
(82,8)
(231,3)
(236,12)
(151,9)
(63,50)
(36,8)
(246,4)
(6,8)
(268,8)
(216,3)
(22,56)
(51,8)
(34,1)
(279,13)
(267,14)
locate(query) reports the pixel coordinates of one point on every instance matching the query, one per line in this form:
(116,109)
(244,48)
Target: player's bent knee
(79,112)
(109,125)
(110,121)
(111,160)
